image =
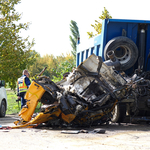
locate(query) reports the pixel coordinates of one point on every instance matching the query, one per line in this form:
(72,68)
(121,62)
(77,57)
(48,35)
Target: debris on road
(4,129)
(70,131)
(101,131)
(91,94)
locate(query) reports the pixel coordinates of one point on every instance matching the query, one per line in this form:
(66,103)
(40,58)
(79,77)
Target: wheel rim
(123,54)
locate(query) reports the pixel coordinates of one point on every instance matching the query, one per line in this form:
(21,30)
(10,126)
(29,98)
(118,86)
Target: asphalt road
(116,137)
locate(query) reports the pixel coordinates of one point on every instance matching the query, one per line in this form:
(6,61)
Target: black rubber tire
(125,51)
(2,109)
(119,113)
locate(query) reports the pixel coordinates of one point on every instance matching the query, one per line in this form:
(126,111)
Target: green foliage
(64,64)
(64,67)
(98,25)
(74,37)
(15,52)
(56,66)
(48,61)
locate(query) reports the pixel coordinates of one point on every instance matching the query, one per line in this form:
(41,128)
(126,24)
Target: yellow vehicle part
(33,94)
(68,118)
(97,115)
(40,118)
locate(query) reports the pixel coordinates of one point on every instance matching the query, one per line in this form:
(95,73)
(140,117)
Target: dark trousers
(23,101)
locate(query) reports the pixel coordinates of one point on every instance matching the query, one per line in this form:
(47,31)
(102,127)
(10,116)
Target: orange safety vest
(21,84)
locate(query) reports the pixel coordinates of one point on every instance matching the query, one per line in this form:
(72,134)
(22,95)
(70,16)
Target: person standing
(23,84)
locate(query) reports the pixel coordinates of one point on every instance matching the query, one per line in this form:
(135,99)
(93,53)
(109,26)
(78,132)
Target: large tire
(118,113)
(2,109)
(125,51)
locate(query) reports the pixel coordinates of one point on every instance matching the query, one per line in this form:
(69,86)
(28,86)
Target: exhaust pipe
(113,61)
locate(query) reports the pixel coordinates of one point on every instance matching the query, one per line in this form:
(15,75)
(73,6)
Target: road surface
(116,137)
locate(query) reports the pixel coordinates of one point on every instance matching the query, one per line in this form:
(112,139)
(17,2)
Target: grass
(12,106)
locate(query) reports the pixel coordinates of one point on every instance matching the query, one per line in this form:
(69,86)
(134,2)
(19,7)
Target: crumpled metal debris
(86,96)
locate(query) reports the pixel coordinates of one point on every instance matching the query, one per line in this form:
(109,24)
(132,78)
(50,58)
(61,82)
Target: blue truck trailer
(129,40)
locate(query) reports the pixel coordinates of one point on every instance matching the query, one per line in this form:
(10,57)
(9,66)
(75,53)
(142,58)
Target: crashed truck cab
(83,98)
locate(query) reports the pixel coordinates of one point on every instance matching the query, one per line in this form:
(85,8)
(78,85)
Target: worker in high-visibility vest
(23,84)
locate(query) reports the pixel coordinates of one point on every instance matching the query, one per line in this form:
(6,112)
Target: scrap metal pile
(86,96)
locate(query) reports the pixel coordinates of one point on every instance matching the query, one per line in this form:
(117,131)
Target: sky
(50,19)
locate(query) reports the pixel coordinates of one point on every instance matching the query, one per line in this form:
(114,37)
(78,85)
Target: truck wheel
(125,51)
(2,109)
(118,113)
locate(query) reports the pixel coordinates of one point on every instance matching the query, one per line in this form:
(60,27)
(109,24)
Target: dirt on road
(116,137)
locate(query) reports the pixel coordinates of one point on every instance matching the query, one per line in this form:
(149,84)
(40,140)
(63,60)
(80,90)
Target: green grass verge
(12,106)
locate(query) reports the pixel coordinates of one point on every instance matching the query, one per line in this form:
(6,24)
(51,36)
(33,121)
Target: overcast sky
(50,19)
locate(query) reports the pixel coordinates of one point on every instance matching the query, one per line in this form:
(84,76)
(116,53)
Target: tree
(64,64)
(15,51)
(56,66)
(73,39)
(98,25)
(48,61)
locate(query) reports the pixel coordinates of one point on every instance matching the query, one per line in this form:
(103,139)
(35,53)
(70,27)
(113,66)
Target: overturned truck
(89,95)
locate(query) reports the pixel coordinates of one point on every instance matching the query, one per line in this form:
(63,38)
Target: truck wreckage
(89,95)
